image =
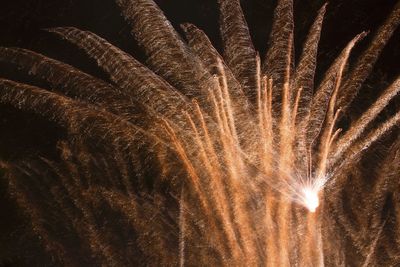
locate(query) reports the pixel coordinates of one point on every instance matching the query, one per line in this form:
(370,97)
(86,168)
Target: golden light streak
(249,151)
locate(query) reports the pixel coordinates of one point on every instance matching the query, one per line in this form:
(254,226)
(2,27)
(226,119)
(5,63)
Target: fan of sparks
(249,142)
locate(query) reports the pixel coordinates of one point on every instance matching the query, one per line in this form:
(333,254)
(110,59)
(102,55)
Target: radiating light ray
(246,150)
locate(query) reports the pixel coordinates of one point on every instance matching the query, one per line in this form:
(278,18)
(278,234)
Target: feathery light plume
(198,158)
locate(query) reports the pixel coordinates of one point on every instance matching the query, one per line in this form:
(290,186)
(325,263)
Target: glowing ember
(310,199)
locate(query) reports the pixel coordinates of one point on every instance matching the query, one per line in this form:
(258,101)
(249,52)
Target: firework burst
(245,150)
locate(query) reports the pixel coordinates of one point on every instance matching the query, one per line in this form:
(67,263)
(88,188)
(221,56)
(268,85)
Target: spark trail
(244,152)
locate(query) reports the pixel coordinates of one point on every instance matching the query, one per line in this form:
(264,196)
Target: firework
(244,154)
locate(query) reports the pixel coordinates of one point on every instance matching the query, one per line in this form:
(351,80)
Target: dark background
(22,23)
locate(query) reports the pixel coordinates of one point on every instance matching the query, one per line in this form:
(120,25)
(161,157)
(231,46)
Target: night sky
(22,23)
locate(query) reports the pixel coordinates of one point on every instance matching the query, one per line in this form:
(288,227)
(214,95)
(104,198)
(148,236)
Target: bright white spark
(310,198)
